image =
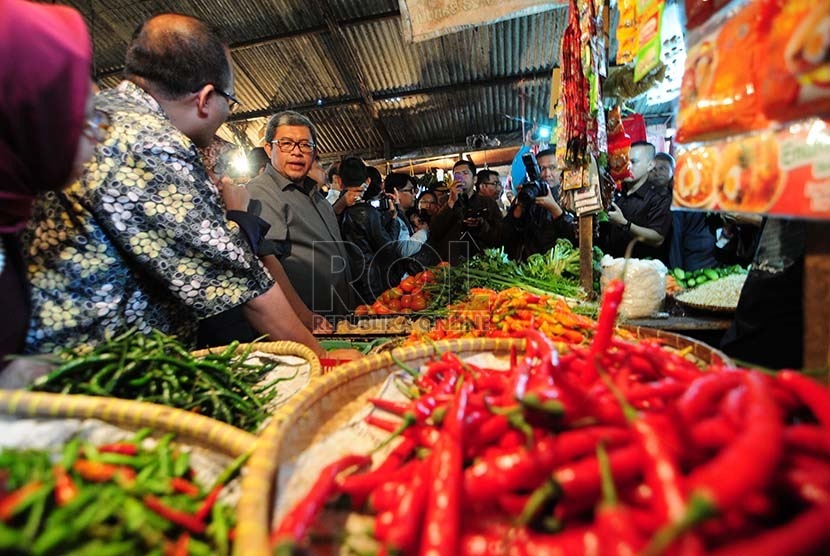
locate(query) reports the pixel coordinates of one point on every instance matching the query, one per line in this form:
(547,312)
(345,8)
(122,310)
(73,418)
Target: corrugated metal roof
(328,58)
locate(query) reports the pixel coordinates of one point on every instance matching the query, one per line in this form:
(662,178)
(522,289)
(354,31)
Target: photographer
(370,228)
(468,223)
(535,220)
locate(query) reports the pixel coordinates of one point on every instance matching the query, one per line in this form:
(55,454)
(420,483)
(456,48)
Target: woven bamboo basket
(284,347)
(187,426)
(316,412)
(702,352)
(335,397)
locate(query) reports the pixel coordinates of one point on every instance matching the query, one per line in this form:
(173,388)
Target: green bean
(219,529)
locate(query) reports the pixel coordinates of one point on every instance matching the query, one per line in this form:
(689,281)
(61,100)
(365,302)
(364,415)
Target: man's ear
(203,96)
(267,146)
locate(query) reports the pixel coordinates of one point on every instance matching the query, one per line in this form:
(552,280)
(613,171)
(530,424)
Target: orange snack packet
(796,75)
(718,95)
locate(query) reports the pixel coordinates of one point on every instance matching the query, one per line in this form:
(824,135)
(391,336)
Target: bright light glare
(544,132)
(240,163)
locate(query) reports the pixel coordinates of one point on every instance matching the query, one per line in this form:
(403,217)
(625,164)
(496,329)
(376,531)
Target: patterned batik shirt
(141,240)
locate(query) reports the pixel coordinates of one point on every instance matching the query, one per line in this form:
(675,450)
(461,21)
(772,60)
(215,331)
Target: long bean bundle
(158,369)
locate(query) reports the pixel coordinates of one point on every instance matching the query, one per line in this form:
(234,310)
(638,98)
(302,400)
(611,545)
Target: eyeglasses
(406,190)
(233,102)
(96,126)
(287,145)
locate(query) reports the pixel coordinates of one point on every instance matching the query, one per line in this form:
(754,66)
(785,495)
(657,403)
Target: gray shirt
(302,219)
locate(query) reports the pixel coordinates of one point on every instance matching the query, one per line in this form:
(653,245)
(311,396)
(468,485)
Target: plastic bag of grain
(645,285)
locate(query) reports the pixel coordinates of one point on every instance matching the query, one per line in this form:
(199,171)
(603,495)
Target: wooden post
(817,298)
(586,253)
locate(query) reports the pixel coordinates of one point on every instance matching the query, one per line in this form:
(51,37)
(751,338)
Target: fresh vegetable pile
(491,314)
(411,295)
(615,448)
(119,498)
(692,278)
(158,369)
(553,273)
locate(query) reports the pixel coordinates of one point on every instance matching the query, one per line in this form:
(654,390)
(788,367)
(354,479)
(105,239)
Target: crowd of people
(133,222)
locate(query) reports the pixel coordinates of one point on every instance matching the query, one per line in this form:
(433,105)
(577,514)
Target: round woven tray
(705,307)
(702,352)
(277,348)
(313,414)
(187,426)
(335,397)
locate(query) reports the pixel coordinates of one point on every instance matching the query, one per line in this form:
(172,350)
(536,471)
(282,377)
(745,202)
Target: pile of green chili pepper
(612,448)
(112,499)
(156,368)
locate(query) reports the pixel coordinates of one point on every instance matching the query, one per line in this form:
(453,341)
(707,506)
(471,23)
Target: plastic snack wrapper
(796,74)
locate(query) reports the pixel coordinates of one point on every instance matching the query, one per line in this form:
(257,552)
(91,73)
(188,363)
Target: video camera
(533,187)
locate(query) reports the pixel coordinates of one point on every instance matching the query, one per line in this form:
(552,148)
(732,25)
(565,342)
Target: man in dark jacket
(535,221)
(370,233)
(468,223)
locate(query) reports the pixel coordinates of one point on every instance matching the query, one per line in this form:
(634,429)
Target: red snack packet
(796,75)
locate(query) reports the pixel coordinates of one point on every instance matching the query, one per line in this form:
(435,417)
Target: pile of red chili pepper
(112,499)
(614,448)
(490,314)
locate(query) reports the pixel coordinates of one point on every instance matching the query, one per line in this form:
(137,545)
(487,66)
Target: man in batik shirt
(142,240)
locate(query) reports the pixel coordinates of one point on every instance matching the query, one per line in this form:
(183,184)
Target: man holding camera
(468,223)
(535,219)
(642,211)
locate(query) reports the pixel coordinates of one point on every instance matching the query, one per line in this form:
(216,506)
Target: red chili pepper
(395,408)
(702,395)
(99,472)
(811,483)
(294,525)
(662,472)
(615,529)
(501,471)
(748,463)
(360,486)
(442,520)
(183,486)
(403,531)
(812,394)
(808,438)
(208,503)
(807,533)
(177,517)
(65,488)
(712,433)
(489,432)
(124,448)
(10,503)
(581,480)
(381,423)
(388,494)
(180,548)
(661,389)
(611,299)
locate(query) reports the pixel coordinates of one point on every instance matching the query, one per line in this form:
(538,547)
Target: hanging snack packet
(719,92)
(796,74)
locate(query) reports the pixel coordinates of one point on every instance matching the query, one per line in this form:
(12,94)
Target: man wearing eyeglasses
(302,221)
(489,185)
(533,225)
(142,241)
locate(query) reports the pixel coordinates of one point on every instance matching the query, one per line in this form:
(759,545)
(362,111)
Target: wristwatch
(627,226)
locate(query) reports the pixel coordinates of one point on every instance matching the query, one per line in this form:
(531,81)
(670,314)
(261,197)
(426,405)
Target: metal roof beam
(276,37)
(400,93)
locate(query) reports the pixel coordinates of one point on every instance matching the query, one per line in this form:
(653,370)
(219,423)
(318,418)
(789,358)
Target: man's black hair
(470,164)
(176,55)
(395,181)
(257,159)
(353,172)
(546,152)
(482,175)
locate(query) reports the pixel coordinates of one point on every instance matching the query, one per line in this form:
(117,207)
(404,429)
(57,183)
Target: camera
(533,186)
(382,203)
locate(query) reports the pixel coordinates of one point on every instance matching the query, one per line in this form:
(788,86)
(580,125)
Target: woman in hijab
(49,131)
